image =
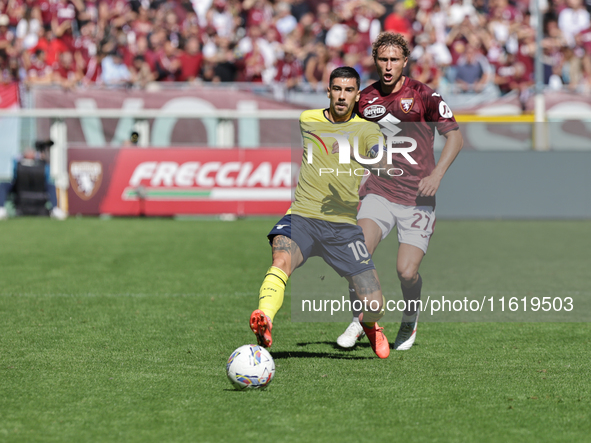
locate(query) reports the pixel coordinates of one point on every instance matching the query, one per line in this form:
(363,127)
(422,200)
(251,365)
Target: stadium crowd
(466,45)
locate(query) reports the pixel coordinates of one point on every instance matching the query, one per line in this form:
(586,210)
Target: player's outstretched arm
(429,185)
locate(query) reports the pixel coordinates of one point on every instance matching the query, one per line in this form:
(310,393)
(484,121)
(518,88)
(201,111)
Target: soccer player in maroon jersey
(408,113)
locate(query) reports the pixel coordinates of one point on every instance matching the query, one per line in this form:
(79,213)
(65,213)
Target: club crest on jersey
(406,104)
(374,111)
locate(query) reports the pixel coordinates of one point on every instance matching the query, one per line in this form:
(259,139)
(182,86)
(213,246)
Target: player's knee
(378,306)
(374,305)
(282,262)
(407,275)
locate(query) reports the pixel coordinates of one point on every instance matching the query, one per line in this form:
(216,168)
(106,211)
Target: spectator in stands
(223,62)
(316,67)
(258,12)
(335,60)
(39,72)
(569,68)
(254,65)
(10,69)
(140,72)
(460,11)
(459,37)
(305,32)
(173,28)
(168,64)
(398,22)
(512,75)
(472,71)
(426,71)
(336,36)
(363,16)
(93,69)
(150,36)
(299,8)
(65,72)
(64,16)
(573,20)
(27,30)
(141,48)
(50,45)
(284,21)
(289,70)
(15,10)
(114,71)
(325,20)
(6,36)
(208,71)
(220,18)
(434,22)
(142,25)
(438,51)
(190,59)
(506,73)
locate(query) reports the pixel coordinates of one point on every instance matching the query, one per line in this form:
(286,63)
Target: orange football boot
(377,339)
(261,325)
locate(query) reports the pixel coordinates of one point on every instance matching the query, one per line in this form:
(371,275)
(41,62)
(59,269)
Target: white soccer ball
(250,367)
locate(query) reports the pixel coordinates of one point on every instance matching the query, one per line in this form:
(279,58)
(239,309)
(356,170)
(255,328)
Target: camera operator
(32,189)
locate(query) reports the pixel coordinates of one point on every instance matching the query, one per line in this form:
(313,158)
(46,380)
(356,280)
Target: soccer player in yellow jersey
(322,219)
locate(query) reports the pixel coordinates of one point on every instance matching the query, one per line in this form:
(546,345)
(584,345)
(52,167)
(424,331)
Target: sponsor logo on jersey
(374,111)
(86,178)
(406,104)
(369,102)
(444,110)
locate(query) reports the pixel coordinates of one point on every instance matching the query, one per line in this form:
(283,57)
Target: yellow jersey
(329,190)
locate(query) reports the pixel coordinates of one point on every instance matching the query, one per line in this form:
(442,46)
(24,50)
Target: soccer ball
(250,367)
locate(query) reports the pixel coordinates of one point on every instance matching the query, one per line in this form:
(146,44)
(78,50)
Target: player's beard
(342,112)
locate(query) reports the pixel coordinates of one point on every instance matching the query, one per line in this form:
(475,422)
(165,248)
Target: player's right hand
(428,186)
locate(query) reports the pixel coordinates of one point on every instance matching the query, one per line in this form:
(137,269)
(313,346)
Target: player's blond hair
(390,39)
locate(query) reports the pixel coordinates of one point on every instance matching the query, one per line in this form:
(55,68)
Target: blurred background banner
(559,105)
(165,130)
(166,182)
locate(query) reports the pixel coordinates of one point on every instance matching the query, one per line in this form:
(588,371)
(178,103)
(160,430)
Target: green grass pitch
(119,330)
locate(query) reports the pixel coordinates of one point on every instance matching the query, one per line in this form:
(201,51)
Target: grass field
(119,330)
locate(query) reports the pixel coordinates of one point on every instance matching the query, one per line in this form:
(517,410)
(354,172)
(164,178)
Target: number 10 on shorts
(359,250)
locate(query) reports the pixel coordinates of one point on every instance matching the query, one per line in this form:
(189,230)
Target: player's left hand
(428,186)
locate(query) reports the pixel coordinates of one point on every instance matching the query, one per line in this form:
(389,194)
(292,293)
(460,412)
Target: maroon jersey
(409,118)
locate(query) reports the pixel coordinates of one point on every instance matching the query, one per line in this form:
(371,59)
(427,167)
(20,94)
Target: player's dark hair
(390,39)
(344,72)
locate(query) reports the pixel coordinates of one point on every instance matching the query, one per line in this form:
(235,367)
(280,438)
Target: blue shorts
(341,245)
